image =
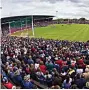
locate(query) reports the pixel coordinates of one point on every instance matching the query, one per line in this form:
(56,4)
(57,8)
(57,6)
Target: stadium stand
(18,23)
(40,63)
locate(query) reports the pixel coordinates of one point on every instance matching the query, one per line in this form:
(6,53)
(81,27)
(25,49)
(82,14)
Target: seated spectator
(73,61)
(40,76)
(30,61)
(7,84)
(18,77)
(71,72)
(86,73)
(32,67)
(27,84)
(57,80)
(27,69)
(57,67)
(42,67)
(36,65)
(49,66)
(63,73)
(68,61)
(48,78)
(59,62)
(79,70)
(81,82)
(67,83)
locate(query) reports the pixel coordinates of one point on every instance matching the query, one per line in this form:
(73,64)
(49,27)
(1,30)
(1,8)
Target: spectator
(49,66)
(48,78)
(27,84)
(67,83)
(7,84)
(42,67)
(81,82)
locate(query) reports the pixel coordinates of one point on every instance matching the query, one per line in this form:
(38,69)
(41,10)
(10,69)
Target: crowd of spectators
(5,29)
(54,63)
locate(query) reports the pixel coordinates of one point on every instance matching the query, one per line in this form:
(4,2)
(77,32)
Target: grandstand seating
(48,62)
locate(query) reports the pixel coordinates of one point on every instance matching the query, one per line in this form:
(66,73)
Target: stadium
(62,31)
(52,36)
(40,52)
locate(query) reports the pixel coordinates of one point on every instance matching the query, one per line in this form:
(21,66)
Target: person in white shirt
(36,66)
(79,71)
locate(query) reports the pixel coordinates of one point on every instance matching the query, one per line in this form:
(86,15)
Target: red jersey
(43,68)
(59,62)
(80,61)
(8,85)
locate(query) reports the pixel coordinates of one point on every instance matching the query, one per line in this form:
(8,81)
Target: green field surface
(73,32)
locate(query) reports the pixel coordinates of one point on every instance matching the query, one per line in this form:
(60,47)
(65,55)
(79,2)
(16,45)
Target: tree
(82,20)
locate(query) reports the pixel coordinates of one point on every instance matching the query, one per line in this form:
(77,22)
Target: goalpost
(33,26)
(26,22)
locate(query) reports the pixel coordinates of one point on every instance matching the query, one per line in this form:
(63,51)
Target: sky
(65,8)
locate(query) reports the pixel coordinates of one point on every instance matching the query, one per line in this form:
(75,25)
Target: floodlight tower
(57,16)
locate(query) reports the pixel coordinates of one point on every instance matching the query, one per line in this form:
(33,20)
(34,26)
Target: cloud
(65,8)
(54,1)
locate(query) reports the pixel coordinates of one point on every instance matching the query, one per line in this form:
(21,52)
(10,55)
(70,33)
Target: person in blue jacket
(27,84)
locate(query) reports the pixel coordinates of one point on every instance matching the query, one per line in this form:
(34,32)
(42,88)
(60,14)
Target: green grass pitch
(73,32)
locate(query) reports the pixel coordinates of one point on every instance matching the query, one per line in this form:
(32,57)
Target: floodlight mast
(57,16)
